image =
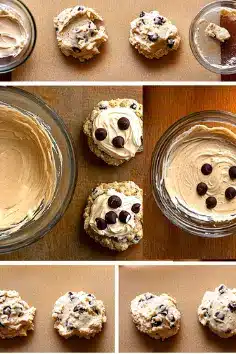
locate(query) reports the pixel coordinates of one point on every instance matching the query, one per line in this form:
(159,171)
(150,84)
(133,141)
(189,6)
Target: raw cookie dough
(156,315)
(79,33)
(115,130)
(16,317)
(217,32)
(153,35)
(113,215)
(28,173)
(78,314)
(196,147)
(218,311)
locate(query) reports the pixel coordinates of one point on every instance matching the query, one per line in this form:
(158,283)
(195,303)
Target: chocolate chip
(136,208)
(170,43)
(222,289)
(76,49)
(142,14)
(100,134)
(71,295)
(153,37)
(156,323)
(148,297)
(211,202)
(206,169)
(101,224)
(136,238)
(111,217)
(202,188)
(159,20)
(79,309)
(102,106)
(232,172)
(124,216)
(95,309)
(133,106)
(56,28)
(123,123)
(114,202)
(80,8)
(6,310)
(230,193)
(171,318)
(118,142)
(172,325)
(232,306)
(220,316)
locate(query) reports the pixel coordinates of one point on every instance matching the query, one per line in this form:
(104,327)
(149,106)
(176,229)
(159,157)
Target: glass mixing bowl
(181,218)
(65,168)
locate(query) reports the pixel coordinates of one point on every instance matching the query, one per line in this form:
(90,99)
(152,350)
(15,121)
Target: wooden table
(67,240)
(163,106)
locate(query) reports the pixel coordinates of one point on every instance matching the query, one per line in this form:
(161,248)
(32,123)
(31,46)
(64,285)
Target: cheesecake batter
(198,147)
(27,169)
(13,35)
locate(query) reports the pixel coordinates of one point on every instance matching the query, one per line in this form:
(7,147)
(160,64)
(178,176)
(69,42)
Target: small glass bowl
(206,49)
(178,217)
(65,167)
(10,63)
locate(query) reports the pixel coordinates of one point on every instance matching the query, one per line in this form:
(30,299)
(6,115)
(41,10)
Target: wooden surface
(118,61)
(40,286)
(187,285)
(67,240)
(163,106)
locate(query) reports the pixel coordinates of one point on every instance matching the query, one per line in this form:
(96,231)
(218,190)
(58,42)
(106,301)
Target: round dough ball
(218,311)
(156,315)
(16,317)
(78,314)
(79,32)
(153,35)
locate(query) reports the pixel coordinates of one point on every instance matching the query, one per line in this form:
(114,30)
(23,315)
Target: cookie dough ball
(113,215)
(115,130)
(156,315)
(218,311)
(78,314)
(16,317)
(79,32)
(153,35)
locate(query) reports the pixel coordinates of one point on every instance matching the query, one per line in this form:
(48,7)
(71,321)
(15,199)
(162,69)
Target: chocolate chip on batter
(114,201)
(79,309)
(171,317)
(230,193)
(118,142)
(142,14)
(133,106)
(102,106)
(101,224)
(232,172)
(206,169)
(100,134)
(153,37)
(136,208)
(220,316)
(211,202)
(123,123)
(111,217)
(71,295)
(156,323)
(124,216)
(170,43)
(222,289)
(148,297)
(202,188)
(96,310)
(159,20)
(80,8)
(232,306)
(6,310)
(76,49)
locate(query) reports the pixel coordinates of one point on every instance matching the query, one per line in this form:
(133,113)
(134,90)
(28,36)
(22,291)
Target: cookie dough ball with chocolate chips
(78,314)
(218,311)
(114,215)
(153,35)
(79,32)
(115,130)
(16,316)
(156,315)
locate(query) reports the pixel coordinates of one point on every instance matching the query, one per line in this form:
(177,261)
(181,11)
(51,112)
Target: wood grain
(67,240)
(164,106)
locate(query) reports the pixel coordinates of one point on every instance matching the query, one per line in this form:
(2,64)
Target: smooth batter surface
(13,35)
(156,315)
(78,314)
(27,169)
(218,311)
(182,171)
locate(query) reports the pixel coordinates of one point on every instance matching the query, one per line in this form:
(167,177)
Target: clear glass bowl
(206,49)
(65,167)
(178,217)
(10,63)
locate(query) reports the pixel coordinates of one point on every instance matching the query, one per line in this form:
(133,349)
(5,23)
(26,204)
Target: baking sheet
(67,240)
(41,286)
(187,284)
(118,60)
